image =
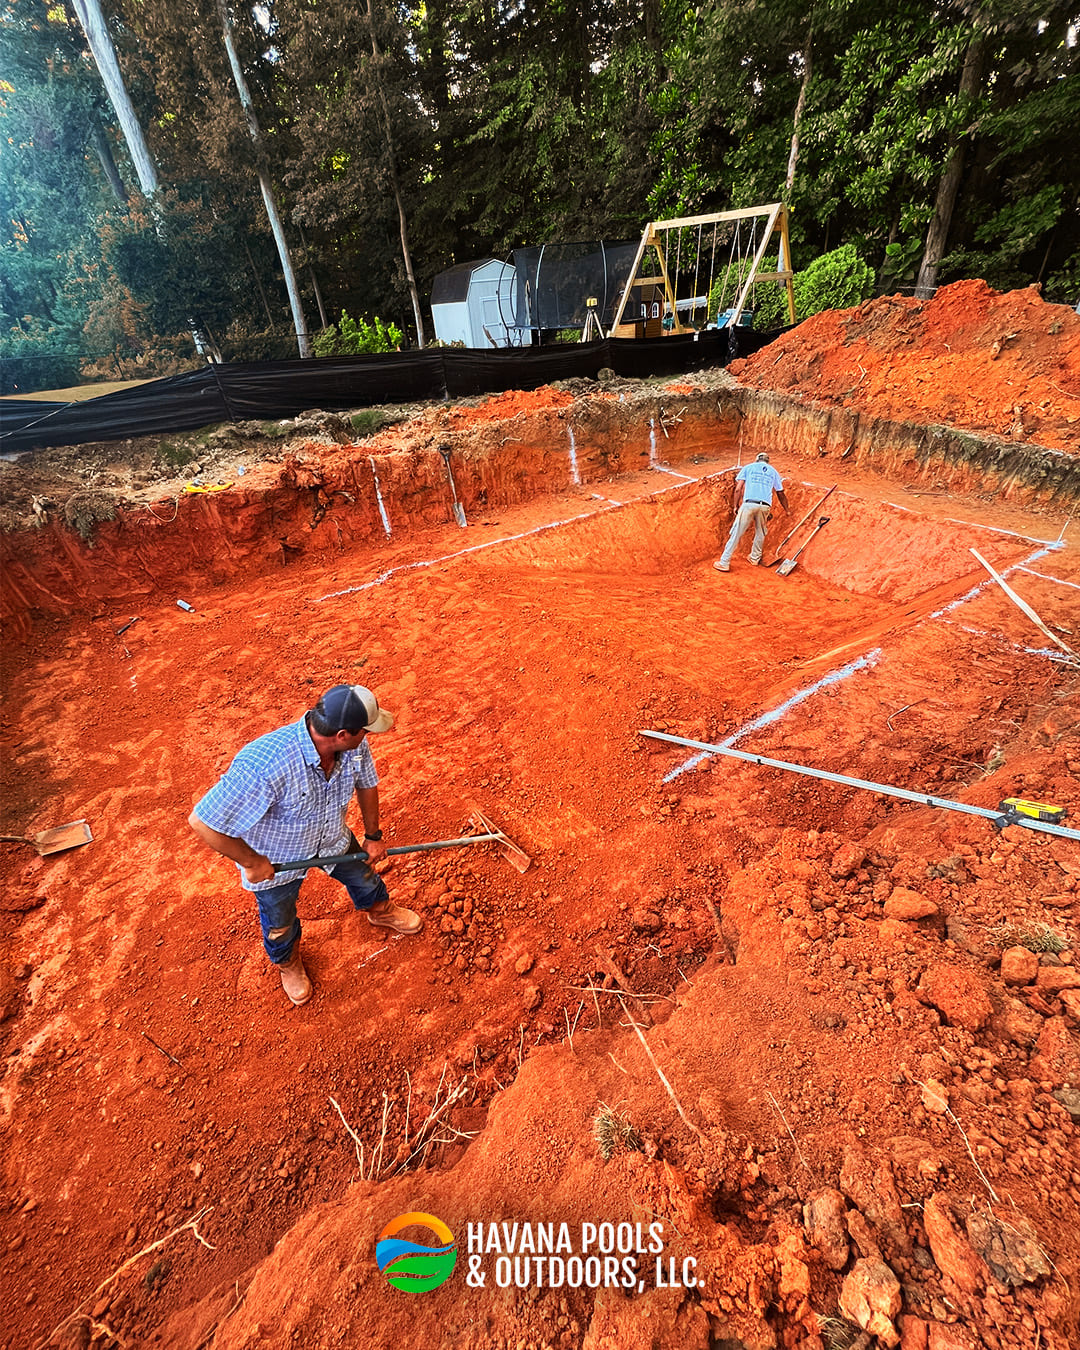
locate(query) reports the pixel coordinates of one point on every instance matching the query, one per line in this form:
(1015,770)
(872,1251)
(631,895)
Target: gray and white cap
(352,707)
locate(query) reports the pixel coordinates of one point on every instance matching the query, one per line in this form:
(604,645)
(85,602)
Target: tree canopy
(932,134)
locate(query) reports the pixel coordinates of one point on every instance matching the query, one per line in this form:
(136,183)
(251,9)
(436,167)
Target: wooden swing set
(650,307)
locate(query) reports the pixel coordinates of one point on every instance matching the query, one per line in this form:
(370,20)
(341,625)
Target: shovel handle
(358,855)
(802,522)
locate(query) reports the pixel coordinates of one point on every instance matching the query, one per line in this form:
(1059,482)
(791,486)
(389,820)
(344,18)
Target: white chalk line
(982,585)
(995,529)
(868,659)
(862,662)
(1043,577)
(514,538)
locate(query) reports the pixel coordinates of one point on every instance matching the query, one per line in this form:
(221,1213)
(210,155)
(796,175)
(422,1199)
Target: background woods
(937,139)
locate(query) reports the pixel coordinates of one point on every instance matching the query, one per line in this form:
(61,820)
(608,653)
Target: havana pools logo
(410,1265)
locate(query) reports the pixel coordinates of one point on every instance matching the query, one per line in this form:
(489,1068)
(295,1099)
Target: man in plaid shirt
(284,797)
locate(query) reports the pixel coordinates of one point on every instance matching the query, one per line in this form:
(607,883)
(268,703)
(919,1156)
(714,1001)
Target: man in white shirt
(757,483)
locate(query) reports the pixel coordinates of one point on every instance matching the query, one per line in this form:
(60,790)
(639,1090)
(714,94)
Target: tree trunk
(402,222)
(104,54)
(276,227)
(108,163)
(793,157)
(948,189)
(324,322)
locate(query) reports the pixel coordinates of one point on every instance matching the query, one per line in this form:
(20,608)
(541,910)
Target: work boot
(294,978)
(721,566)
(388,915)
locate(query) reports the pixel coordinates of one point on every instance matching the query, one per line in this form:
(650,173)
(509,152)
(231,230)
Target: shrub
(356,337)
(836,280)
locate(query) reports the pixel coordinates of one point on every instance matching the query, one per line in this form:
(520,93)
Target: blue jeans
(277,905)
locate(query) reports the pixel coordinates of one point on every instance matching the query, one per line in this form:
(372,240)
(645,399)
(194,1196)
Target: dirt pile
(1004,363)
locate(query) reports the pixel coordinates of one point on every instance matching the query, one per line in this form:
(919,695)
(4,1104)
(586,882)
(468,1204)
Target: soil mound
(972,357)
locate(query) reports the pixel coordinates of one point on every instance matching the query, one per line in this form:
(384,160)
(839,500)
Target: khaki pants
(750,513)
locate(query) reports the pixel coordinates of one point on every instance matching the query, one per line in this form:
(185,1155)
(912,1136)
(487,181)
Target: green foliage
(1063,286)
(356,337)
(836,280)
(495,126)
(371,420)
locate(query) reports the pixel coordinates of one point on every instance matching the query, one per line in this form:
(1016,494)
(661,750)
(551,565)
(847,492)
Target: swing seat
(746,318)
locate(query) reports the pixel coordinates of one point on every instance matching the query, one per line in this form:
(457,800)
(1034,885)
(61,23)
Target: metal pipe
(920,798)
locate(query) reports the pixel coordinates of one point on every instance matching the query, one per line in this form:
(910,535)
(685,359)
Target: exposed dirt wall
(325,499)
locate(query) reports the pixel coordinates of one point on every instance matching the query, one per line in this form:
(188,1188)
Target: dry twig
(191,1224)
(660,1074)
(352,1133)
(787,1127)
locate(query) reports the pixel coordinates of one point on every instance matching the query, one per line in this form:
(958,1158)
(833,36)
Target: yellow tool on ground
(1019,806)
(212,487)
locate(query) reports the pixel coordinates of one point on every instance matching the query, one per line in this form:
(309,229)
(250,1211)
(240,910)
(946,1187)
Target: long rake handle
(360,855)
(791,533)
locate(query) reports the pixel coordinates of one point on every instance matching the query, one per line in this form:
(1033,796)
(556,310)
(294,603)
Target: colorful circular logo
(410,1265)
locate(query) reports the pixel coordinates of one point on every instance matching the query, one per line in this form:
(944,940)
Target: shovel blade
(61,837)
(786,567)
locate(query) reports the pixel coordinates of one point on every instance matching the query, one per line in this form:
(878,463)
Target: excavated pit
(152,1068)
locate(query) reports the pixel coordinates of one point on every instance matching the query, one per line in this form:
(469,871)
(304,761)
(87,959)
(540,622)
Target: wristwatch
(374,836)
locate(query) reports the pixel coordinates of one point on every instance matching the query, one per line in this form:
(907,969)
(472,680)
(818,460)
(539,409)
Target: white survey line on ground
(1043,577)
(982,585)
(996,529)
(662,468)
(868,659)
(513,538)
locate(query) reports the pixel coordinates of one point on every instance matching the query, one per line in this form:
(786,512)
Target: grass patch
(1036,937)
(176,453)
(369,421)
(614,1133)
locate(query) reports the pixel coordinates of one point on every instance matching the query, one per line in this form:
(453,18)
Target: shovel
(788,565)
(515,856)
(60,837)
(459,510)
(793,532)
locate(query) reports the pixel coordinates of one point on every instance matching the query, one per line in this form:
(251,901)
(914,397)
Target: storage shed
(476,303)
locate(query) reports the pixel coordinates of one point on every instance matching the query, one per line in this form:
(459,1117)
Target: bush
(836,280)
(356,337)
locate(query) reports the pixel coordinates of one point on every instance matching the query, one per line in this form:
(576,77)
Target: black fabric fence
(263,390)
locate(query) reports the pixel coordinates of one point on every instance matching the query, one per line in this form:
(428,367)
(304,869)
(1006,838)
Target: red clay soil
(1005,363)
(851,1091)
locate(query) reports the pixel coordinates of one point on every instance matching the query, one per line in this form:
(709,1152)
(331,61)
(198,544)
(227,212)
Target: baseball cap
(348,707)
(763,456)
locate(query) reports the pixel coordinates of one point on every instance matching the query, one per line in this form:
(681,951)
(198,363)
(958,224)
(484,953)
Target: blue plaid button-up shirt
(276,798)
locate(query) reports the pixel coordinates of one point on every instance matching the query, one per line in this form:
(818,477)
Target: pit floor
(152,1064)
